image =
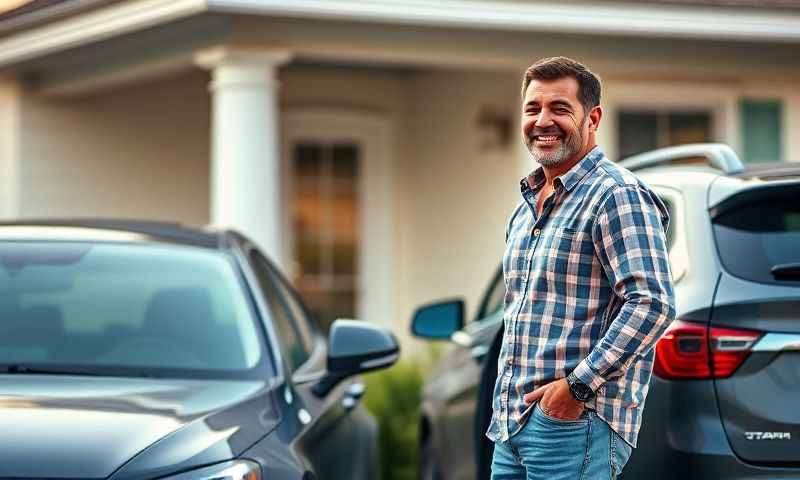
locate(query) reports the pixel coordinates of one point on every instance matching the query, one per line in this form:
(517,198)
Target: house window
(761,130)
(643,130)
(325,217)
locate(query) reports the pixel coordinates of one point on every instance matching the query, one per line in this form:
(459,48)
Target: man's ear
(595,115)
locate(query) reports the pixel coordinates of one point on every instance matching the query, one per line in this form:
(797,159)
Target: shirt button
(536,232)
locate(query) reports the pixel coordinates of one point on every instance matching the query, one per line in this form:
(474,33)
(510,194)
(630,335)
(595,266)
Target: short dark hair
(554,68)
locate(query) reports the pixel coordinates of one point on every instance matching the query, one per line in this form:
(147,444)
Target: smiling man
(588,293)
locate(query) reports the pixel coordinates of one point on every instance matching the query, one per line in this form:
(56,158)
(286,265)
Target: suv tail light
(693,351)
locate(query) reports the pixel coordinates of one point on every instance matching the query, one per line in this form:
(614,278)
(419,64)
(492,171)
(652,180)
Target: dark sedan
(141,350)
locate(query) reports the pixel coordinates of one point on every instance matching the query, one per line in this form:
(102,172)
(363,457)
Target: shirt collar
(568,180)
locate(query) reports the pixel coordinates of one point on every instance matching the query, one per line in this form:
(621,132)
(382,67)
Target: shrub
(393,397)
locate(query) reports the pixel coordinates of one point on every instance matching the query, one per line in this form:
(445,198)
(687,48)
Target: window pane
(672,220)
(345,161)
(762,130)
(345,233)
(301,321)
(759,235)
(638,132)
(308,223)
(281,316)
(117,306)
(308,160)
(689,128)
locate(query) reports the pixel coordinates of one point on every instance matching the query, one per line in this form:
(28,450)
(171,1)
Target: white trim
(572,17)
(94,26)
(373,133)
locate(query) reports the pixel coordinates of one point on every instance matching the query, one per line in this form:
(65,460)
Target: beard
(569,145)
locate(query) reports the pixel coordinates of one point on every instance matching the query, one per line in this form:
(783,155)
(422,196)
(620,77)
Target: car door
(339,438)
(464,367)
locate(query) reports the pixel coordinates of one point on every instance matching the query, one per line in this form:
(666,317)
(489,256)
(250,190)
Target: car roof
(770,171)
(104,230)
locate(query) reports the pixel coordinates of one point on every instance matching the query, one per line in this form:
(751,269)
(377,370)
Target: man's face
(555,127)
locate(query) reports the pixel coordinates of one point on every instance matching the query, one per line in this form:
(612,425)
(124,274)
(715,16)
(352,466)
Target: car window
(302,320)
(673,220)
(126,309)
(296,347)
(493,301)
(758,238)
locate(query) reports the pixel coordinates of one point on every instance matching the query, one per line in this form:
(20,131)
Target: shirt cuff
(587,376)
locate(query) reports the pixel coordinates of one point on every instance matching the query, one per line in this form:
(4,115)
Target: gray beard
(553,158)
(570,146)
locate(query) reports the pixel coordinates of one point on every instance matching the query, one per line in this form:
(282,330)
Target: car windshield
(125,309)
(758,239)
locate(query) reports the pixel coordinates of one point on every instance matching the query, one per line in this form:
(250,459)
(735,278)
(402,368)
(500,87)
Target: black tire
(483,415)
(428,464)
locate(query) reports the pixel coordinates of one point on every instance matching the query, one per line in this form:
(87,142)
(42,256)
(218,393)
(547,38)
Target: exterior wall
(320,93)
(450,200)
(137,152)
(721,97)
(9,147)
(460,196)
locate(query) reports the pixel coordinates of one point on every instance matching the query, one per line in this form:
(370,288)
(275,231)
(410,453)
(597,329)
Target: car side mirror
(438,321)
(356,347)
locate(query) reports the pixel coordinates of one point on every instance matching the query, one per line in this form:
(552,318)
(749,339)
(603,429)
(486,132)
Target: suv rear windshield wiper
(30,369)
(786,271)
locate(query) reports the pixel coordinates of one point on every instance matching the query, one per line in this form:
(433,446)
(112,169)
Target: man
(588,293)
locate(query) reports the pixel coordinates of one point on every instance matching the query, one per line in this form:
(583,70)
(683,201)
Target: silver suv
(725,398)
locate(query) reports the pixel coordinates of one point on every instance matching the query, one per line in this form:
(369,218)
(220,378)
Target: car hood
(92,427)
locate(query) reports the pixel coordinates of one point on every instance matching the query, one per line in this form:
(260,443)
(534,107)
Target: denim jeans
(546,448)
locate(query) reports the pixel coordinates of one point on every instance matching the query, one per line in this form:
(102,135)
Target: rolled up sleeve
(629,235)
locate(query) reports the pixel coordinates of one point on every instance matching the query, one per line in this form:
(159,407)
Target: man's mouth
(546,138)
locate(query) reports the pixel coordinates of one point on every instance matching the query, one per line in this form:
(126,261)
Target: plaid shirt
(588,290)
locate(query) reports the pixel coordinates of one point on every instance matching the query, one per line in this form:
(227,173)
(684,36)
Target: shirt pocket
(569,263)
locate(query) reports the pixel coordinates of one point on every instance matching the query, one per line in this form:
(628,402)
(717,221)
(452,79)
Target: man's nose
(544,119)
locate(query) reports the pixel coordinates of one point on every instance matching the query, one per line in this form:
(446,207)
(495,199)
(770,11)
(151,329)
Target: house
(371,147)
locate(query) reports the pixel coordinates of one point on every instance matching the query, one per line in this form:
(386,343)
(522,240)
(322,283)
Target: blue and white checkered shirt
(588,289)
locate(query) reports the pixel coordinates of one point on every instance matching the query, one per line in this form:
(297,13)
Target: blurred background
(370,147)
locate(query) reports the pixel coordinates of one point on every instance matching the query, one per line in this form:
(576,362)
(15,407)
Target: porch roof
(40,27)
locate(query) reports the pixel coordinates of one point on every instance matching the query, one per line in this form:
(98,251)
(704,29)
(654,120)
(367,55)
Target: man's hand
(556,401)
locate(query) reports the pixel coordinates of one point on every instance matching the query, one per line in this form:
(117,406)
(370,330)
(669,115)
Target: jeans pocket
(620,453)
(581,420)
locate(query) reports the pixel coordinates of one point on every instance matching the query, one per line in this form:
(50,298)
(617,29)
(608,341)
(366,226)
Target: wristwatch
(579,390)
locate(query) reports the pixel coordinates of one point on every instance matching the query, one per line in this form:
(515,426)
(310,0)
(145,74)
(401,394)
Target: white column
(10,133)
(245,163)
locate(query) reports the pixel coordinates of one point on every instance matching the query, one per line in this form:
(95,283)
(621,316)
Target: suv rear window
(758,236)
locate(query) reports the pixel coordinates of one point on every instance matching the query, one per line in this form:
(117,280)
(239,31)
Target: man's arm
(630,242)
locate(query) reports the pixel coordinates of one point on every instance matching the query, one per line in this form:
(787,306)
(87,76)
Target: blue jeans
(551,449)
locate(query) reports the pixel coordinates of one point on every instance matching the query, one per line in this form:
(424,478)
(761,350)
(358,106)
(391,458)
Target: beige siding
(451,199)
(461,196)
(139,152)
